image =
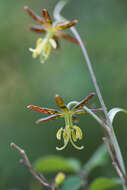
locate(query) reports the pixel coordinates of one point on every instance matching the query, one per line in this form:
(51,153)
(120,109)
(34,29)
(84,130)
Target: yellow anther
(59,133)
(74,136)
(78,132)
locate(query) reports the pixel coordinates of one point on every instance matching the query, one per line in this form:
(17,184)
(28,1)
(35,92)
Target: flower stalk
(111,139)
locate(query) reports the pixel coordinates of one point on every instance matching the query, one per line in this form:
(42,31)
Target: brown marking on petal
(60,103)
(39,29)
(66,37)
(83,102)
(85,112)
(46,16)
(75,119)
(33,15)
(65,25)
(50,118)
(43,110)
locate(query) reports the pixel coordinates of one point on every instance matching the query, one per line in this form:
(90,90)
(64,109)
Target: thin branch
(26,161)
(114,160)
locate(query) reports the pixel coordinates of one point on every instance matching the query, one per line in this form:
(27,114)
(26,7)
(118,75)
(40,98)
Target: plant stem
(110,135)
(26,161)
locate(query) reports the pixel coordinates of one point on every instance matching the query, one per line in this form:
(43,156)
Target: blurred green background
(23,81)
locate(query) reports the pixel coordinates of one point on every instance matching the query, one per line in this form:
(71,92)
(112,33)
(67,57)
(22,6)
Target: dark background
(23,81)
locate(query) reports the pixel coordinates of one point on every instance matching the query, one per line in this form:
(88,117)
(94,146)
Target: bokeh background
(23,81)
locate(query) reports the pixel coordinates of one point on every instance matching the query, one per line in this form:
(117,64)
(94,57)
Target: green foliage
(72,183)
(102,183)
(56,163)
(99,158)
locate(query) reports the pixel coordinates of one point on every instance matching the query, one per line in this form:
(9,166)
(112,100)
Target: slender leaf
(114,111)
(103,183)
(99,158)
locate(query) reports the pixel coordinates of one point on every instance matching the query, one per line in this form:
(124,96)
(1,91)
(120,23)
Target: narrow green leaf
(114,111)
(103,183)
(56,163)
(72,183)
(99,158)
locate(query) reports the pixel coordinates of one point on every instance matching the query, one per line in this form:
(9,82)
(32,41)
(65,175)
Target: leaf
(72,183)
(99,158)
(103,183)
(75,163)
(114,111)
(57,163)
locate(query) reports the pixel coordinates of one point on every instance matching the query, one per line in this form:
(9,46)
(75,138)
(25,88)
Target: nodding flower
(70,132)
(52,33)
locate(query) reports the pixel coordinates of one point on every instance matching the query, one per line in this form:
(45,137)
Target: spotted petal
(33,15)
(46,17)
(65,25)
(50,118)
(66,37)
(43,110)
(61,104)
(83,102)
(36,28)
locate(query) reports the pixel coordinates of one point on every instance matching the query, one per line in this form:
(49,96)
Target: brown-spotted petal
(50,118)
(43,110)
(33,15)
(60,103)
(83,102)
(85,112)
(46,17)
(39,29)
(66,37)
(75,119)
(65,25)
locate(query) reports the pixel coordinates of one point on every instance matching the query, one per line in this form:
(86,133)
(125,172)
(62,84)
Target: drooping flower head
(70,132)
(52,32)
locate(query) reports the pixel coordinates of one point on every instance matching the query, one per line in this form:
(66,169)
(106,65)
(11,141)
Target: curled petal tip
(75,21)
(92,93)
(44,10)
(29,107)
(26,7)
(57,95)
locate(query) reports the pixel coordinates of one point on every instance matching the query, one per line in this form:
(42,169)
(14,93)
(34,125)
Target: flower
(52,31)
(71,132)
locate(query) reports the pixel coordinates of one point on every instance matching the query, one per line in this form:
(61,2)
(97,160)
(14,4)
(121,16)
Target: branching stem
(36,175)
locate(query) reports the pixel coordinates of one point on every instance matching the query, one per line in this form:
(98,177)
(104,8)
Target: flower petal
(60,103)
(66,37)
(50,118)
(36,28)
(46,16)
(83,102)
(43,110)
(33,15)
(65,25)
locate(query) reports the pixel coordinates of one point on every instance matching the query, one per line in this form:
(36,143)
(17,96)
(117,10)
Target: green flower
(52,31)
(70,132)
